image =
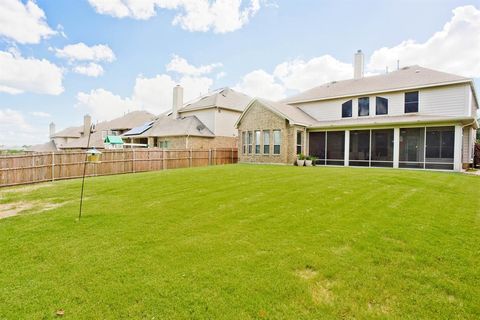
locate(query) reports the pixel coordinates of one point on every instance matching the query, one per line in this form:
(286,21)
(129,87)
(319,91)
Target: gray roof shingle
(225,98)
(405,78)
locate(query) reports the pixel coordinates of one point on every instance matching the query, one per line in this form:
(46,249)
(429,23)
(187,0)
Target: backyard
(244,241)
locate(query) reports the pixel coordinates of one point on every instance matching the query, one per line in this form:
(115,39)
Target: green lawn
(246,242)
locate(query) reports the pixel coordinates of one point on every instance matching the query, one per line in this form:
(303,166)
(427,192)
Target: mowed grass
(246,242)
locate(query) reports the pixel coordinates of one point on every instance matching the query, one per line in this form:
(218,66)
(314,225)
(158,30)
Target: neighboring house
(208,122)
(410,118)
(73,138)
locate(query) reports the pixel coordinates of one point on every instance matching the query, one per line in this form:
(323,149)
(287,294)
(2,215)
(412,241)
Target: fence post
(232,155)
(209,156)
(190,158)
(53,166)
(163,159)
(133,160)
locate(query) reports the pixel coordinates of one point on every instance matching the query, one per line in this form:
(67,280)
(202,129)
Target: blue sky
(277,48)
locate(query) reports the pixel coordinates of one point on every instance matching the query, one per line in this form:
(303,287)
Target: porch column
(396,147)
(346,152)
(457,150)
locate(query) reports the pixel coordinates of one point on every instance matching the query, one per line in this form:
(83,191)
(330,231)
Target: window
(329,147)
(249,141)
(257,141)
(363,106)
(277,140)
(359,148)
(411,102)
(381,105)
(347,109)
(316,145)
(244,142)
(266,142)
(439,148)
(299,142)
(164,144)
(372,148)
(335,148)
(382,148)
(412,144)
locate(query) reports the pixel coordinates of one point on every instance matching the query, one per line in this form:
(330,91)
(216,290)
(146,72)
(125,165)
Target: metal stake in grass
(84,171)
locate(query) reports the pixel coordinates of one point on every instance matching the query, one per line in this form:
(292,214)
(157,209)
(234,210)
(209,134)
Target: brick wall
(258,117)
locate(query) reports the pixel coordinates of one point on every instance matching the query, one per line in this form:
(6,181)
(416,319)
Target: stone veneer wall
(261,118)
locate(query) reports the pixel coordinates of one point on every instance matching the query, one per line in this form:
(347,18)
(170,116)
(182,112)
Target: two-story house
(410,118)
(204,123)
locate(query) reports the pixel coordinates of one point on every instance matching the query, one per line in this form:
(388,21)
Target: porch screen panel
(412,148)
(317,146)
(382,148)
(336,148)
(440,148)
(359,148)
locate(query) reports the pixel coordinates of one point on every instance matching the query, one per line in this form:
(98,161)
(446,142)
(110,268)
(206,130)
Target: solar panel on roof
(139,130)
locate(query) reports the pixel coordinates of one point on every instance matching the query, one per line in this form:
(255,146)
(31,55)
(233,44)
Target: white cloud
(180,65)
(16,131)
(220,75)
(82,52)
(261,84)
(23,23)
(40,114)
(455,49)
(301,75)
(103,104)
(221,16)
(18,74)
(90,70)
(293,76)
(151,94)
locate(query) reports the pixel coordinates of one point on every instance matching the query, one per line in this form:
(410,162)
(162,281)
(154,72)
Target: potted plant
(301,160)
(308,161)
(313,159)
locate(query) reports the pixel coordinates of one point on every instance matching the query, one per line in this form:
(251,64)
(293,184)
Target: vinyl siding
(442,101)
(468,143)
(207,117)
(225,123)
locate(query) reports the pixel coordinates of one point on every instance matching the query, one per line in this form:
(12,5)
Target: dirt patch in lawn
(322,292)
(27,188)
(307,273)
(15,208)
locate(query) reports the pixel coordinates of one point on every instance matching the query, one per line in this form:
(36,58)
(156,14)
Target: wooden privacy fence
(41,167)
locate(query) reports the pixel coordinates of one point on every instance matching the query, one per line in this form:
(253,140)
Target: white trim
(346,151)
(457,151)
(396,147)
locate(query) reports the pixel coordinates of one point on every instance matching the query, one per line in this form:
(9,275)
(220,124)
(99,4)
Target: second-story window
(363,106)
(381,105)
(411,102)
(347,109)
